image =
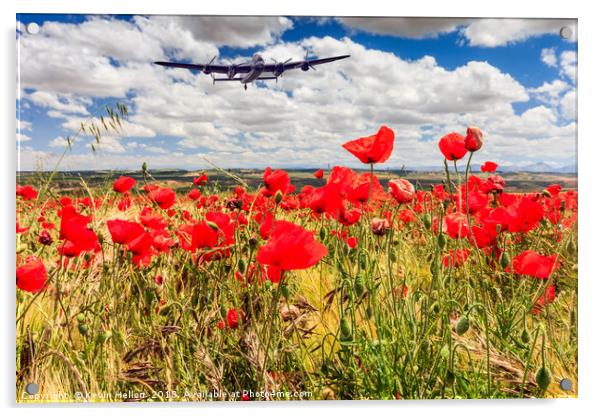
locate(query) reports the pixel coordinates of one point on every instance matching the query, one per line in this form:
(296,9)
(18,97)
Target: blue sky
(516,79)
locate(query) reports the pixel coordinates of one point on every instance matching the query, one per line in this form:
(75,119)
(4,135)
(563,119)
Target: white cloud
(501,32)
(549,92)
(568,65)
(22,138)
(410,27)
(58,142)
(237,31)
(60,103)
(23,125)
(568,104)
(548,57)
(477,32)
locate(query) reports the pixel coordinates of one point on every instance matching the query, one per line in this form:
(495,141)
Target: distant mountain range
(540,167)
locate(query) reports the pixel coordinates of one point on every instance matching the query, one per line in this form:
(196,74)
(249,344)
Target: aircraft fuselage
(256,71)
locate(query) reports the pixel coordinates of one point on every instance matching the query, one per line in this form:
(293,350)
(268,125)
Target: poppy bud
(462,325)
(83,329)
(571,248)
(441,241)
(474,139)
(428,222)
(369,312)
(278,196)
(498,228)
(223,311)
(524,337)
(546,193)
(392,256)
(505,260)
(345,330)
(212,225)
(252,242)
(104,336)
(543,378)
(285,292)
(322,233)
(80,317)
(444,352)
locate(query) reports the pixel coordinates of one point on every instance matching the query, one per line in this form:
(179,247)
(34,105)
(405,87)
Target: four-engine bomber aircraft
(252,71)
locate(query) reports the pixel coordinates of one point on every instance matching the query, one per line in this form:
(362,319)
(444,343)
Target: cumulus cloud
(298,122)
(548,57)
(568,104)
(410,27)
(476,32)
(237,31)
(501,32)
(550,92)
(568,65)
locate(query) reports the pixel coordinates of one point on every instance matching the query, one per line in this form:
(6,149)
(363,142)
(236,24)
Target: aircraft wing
(299,64)
(214,68)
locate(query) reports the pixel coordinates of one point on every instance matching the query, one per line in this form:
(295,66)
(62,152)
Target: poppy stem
(371,179)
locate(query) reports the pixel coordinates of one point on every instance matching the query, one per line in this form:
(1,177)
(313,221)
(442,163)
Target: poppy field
(355,289)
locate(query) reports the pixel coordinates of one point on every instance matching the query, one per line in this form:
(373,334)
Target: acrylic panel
(249,208)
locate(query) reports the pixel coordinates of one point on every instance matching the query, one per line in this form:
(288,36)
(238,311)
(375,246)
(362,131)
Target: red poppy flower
(75,233)
(21,229)
(291,247)
(366,186)
(164,197)
(201,180)
(123,232)
(27,192)
(456,258)
(194,194)
(272,273)
(319,174)
(546,298)
(532,264)
(123,184)
(452,146)
(554,189)
(232,318)
(31,276)
(275,181)
(525,216)
(265,228)
(456,225)
(494,183)
(326,199)
(489,166)
(474,139)
(349,217)
(482,236)
(373,149)
(402,190)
